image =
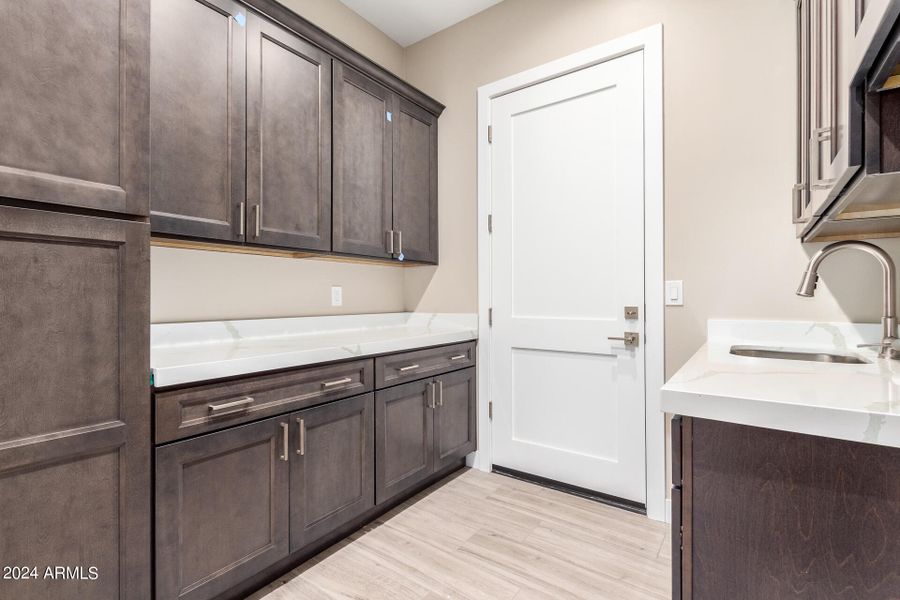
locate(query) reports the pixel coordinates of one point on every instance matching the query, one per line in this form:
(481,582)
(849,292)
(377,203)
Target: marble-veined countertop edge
(842,401)
(190,353)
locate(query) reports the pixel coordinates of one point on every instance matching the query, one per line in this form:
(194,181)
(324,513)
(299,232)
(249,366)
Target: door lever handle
(632,339)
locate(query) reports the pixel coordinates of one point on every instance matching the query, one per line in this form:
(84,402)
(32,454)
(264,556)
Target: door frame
(650,41)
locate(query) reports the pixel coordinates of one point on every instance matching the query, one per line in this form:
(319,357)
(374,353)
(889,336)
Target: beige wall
(192,285)
(347,26)
(729,151)
(189,285)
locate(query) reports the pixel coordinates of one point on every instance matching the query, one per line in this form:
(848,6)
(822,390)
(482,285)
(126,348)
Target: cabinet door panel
(362,164)
(772,513)
(74,418)
(74,103)
(289,139)
(415,181)
(333,467)
(835,151)
(197,118)
(221,509)
(404,438)
(455,417)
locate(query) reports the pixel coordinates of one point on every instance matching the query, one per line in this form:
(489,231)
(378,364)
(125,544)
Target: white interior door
(567,171)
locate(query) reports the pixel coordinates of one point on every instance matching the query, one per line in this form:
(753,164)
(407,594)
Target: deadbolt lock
(631,313)
(632,339)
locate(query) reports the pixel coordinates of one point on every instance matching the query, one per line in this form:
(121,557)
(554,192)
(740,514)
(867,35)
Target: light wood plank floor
(490,537)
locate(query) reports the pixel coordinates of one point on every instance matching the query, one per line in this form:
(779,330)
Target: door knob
(632,339)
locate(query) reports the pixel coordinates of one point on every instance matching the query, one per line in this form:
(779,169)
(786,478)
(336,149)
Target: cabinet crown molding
(341,51)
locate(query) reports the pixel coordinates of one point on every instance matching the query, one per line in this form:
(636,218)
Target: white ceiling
(408,21)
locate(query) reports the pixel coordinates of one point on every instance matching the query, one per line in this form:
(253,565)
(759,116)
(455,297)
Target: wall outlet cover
(337,295)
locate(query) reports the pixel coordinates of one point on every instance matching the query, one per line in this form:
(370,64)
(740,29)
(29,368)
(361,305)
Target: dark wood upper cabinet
(385,172)
(221,509)
(362,164)
(74,102)
(404,438)
(288,139)
(75,425)
(454,417)
(332,467)
(197,118)
(261,136)
(415,182)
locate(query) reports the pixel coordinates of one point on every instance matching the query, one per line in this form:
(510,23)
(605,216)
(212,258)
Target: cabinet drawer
(206,408)
(398,368)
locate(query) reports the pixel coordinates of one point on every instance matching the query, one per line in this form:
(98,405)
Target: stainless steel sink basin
(783,354)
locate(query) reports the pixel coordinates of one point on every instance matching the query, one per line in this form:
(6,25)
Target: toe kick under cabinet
(253,475)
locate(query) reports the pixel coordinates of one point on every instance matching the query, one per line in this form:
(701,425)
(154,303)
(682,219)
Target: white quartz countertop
(182,353)
(844,401)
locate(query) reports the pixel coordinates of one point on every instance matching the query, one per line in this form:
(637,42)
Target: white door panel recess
(567,198)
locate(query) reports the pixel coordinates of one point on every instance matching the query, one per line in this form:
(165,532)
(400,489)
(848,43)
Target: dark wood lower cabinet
(404,437)
(332,467)
(421,427)
(222,509)
(74,417)
(771,514)
(455,424)
(243,504)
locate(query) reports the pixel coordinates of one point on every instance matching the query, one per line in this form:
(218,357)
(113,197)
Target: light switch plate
(337,295)
(675,293)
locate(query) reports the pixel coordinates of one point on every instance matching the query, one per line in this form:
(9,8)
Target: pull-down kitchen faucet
(889,320)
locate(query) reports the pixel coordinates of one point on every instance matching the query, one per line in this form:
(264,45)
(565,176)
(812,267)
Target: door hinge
(490,134)
(490,409)
(490,317)
(490,223)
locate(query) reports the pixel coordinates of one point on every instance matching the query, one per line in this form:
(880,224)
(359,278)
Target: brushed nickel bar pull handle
(408,368)
(243,215)
(458,357)
(440,392)
(399,242)
(390,244)
(284,432)
(301,450)
(341,381)
(431,390)
(257,212)
(216,408)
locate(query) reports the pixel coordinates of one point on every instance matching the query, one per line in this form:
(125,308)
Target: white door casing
(568,257)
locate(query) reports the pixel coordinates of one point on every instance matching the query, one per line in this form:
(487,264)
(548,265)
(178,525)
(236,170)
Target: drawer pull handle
(238,404)
(284,433)
(459,357)
(301,450)
(341,381)
(408,368)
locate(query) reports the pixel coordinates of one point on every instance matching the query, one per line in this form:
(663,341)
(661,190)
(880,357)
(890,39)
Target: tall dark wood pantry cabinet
(74,273)
(74,103)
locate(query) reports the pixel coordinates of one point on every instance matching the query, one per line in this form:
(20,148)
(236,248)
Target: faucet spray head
(807,287)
